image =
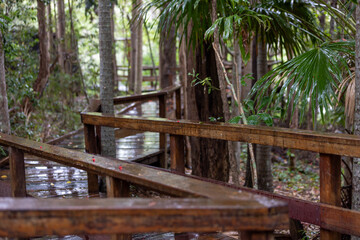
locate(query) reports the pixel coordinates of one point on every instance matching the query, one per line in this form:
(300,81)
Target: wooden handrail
(33,217)
(339,144)
(228,209)
(330,146)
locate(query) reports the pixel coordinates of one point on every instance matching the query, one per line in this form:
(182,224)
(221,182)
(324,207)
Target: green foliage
(313,75)
(204,82)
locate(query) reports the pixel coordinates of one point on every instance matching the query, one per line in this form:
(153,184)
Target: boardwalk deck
(47,179)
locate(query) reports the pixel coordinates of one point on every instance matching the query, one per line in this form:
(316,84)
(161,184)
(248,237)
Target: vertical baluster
(178,103)
(162,144)
(330,187)
(17,171)
(117,188)
(91,147)
(177,153)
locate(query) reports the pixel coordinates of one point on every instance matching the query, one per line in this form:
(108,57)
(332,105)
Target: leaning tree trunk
(108,147)
(263,163)
(4,111)
(356,161)
(234,168)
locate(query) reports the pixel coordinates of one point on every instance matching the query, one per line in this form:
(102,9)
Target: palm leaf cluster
(314,75)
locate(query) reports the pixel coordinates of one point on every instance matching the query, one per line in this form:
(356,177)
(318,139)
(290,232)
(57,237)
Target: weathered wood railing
(93,134)
(327,214)
(219,208)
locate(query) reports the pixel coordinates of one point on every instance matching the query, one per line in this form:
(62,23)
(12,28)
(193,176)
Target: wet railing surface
(47,179)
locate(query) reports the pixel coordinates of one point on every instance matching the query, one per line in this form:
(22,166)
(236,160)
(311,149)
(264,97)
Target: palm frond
(315,75)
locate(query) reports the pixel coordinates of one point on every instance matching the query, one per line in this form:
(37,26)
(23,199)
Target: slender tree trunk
(44,71)
(4,111)
(135,78)
(61,33)
(50,31)
(116,78)
(332,20)
(167,57)
(265,181)
(356,161)
(139,60)
(108,147)
(234,168)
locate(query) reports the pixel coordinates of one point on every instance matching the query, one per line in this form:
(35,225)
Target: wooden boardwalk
(48,179)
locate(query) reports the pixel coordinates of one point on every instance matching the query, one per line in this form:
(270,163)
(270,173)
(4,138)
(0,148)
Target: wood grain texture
(330,187)
(337,144)
(17,172)
(33,217)
(90,147)
(177,153)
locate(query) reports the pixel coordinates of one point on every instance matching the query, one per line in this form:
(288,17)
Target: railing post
(330,187)
(17,171)
(117,188)
(178,103)
(177,153)
(162,140)
(252,235)
(90,147)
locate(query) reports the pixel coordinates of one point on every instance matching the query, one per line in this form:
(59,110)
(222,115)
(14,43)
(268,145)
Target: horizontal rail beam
(338,144)
(145,96)
(33,217)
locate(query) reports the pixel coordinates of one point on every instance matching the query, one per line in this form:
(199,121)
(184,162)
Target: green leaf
(253,120)
(235,119)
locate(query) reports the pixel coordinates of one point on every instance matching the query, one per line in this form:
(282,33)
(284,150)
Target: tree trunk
(213,159)
(135,78)
(263,163)
(167,57)
(4,111)
(234,168)
(61,34)
(108,147)
(332,20)
(116,78)
(356,161)
(44,71)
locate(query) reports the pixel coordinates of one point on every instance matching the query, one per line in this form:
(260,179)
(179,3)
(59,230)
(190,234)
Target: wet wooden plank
(154,178)
(337,144)
(32,217)
(17,172)
(330,187)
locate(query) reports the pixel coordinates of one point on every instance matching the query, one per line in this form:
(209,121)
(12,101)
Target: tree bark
(135,78)
(234,168)
(116,78)
(61,34)
(356,161)
(263,163)
(44,56)
(4,111)
(167,57)
(108,147)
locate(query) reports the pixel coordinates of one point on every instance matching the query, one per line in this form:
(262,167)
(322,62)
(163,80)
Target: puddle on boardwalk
(47,179)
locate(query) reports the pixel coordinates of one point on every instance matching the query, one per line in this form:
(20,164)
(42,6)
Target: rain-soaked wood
(330,187)
(117,188)
(177,153)
(323,215)
(162,137)
(338,144)
(39,217)
(146,96)
(252,235)
(178,103)
(17,172)
(90,147)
